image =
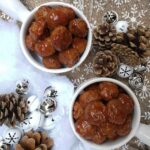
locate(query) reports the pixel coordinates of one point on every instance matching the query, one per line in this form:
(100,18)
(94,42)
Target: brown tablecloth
(135,12)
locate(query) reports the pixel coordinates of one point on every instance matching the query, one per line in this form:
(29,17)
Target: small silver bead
(110,17)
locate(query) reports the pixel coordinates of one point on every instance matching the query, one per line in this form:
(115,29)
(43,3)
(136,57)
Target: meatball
(45,48)
(69,12)
(125,129)
(85,129)
(77,110)
(78,27)
(51,62)
(109,130)
(93,87)
(42,13)
(69,57)
(99,138)
(79,44)
(108,90)
(56,18)
(95,113)
(61,38)
(116,112)
(30,43)
(88,96)
(127,102)
(37,29)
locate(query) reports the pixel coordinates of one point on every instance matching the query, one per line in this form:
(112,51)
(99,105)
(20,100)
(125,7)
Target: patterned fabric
(135,12)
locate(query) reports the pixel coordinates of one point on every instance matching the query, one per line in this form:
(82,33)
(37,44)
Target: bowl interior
(135,122)
(35,59)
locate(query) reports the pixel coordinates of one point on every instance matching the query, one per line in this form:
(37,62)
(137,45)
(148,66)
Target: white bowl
(121,140)
(36,61)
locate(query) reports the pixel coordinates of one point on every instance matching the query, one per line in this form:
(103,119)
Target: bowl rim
(41,66)
(136,119)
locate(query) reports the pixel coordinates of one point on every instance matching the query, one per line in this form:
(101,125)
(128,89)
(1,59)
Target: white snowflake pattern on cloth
(139,143)
(78,81)
(79,4)
(77,69)
(88,68)
(99,5)
(144,92)
(148,64)
(146,116)
(134,16)
(120,2)
(124,147)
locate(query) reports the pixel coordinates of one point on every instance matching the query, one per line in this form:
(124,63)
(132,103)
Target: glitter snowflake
(124,147)
(88,68)
(120,2)
(134,15)
(144,92)
(139,143)
(78,81)
(79,4)
(146,116)
(100,5)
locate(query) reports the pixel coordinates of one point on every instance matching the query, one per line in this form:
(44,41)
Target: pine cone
(104,36)
(105,63)
(35,140)
(126,55)
(13,108)
(137,39)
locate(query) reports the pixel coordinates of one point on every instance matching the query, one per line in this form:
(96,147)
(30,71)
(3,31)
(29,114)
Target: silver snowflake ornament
(22,87)
(110,17)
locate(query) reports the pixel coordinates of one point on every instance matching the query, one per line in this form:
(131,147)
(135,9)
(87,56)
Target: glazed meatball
(61,38)
(78,27)
(69,57)
(85,129)
(30,43)
(77,110)
(98,137)
(42,13)
(79,44)
(116,112)
(45,48)
(95,113)
(69,12)
(127,102)
(89,96)
(56,18)
(37,29)
(109,130)
(51,62)
(125,129)
(108,90)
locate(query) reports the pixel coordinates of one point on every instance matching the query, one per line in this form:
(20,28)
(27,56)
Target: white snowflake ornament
(33,103)
(122,26)
(12,135)
(125,71)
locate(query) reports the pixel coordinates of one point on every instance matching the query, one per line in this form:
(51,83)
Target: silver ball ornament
(48,106)
(136,81)
(3,145)
(22,87)
(50,92)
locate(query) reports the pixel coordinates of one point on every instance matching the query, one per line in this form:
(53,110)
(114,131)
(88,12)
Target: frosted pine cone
(33,140)
(104,36)
(105,63)
(126,55)
(13,108)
